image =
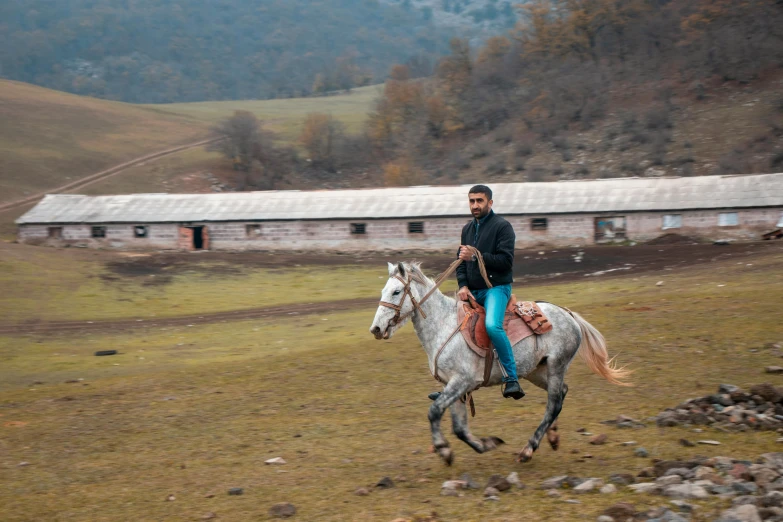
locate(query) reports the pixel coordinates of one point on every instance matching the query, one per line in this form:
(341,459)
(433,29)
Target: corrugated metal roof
(609,195)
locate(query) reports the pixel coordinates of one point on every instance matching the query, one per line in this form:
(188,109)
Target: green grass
(50,138)
(193,411)
(284,116)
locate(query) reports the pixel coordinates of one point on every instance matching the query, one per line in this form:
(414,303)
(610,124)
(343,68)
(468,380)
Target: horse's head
(398,300)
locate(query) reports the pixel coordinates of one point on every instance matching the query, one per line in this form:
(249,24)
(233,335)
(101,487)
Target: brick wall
(393,234)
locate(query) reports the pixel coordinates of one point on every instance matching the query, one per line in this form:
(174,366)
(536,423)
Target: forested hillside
(156,51)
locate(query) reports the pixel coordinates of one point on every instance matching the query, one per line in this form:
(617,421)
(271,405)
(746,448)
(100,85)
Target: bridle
(417,304)
(406,292)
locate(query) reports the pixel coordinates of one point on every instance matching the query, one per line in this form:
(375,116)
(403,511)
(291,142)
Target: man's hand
(464,293)
(465,254)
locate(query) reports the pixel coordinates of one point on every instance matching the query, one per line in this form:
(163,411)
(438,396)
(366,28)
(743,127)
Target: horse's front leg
(459,422)
(455,388)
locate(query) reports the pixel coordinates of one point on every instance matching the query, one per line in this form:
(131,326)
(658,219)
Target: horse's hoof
(491,443)
(525,455)
(447,455)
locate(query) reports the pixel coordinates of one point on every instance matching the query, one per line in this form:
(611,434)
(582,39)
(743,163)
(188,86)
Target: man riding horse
(494,237)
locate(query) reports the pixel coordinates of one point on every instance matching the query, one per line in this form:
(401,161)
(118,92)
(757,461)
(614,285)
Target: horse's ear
(401,268)
(392,269)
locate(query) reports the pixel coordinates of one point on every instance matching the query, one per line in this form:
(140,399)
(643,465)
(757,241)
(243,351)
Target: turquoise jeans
(495,300)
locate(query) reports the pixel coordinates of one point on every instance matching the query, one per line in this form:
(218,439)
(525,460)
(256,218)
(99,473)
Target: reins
(438,281)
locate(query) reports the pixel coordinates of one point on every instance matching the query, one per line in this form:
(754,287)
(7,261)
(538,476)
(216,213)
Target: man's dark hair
(481,189)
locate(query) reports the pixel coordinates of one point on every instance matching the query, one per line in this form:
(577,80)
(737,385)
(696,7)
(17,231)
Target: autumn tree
(321,136)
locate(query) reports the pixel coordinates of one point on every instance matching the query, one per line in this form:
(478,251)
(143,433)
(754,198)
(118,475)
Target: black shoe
(512,389)
(434,396)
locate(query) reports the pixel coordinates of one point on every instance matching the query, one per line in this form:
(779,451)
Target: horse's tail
(593,352)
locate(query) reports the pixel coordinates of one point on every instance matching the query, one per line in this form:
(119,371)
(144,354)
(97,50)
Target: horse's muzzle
(378,333)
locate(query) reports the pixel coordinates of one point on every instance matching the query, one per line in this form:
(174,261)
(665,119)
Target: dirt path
(99,176)
(196,319)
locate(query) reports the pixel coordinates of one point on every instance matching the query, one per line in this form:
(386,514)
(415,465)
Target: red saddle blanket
(523,319)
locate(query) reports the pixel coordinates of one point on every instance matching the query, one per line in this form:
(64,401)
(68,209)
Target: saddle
(522,319)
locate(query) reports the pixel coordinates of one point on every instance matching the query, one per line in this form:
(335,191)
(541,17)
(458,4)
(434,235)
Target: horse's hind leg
(455,389)
(539,378)
(459,423)
(556,391)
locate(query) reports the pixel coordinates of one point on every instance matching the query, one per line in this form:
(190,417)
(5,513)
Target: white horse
(543,361)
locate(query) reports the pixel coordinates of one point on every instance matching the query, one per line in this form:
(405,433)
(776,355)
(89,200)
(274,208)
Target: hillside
(154,51)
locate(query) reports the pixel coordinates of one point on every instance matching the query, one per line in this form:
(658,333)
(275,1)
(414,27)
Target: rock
(23,464)
(454,484)
(683,506)
(773,369)
(703,472)
(771,513)
(744,513)
(668,480)
(513,479)
(728,388)
(641,452)
(620,511)
(171,498)
(491,492)
(772,459)
(621,478)
(554,482)
(628,443)
(686,443)
(681,472)
(573,482)
(282,510)
(745,488)
(275,461)
(659,283)
(744,499)
(385,483)
(608,489)
(449,492)
(236,491)
(665,465)
(571,501)
(772,499)
(589,485)
(645,487)
(686,491)
(362,492)
(708,442)
(604,518)
(766,391)
(598,440)
(646,473)
(209,516)
(740,471)
(469,482)
(498,482)
(553,493)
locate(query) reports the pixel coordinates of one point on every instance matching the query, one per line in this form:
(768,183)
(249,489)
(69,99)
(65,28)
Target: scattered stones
(621,478)
(554,482)
(744,513)
(385,483)
(686,491)
(598,440)
(774,369)
(491,492)
(282,510)
(731,409)
(641,452)
(236,491)
(686,443)
(498,482)
(620,511)
(608,489)
(469,482)
(362,492)
(275,461)
(683,506)
(668,480)
(454,484)
(589,485)
(645,487)
(624,421)
(513,479)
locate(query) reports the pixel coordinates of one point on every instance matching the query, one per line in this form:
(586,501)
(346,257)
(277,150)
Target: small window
(253,231)
(538,224)
(140,231)
(98,231)
(415,227)
(358,228)
(728,219)
(672,221)
(55,232)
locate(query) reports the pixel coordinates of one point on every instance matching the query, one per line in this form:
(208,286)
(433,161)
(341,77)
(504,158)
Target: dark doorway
(198,238)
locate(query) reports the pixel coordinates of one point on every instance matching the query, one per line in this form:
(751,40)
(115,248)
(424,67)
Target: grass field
(193,411)
(285,116)
(48,138)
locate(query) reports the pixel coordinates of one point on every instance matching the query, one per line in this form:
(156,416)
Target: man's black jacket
(496,240)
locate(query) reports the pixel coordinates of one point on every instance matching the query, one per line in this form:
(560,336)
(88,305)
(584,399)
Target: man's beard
(482,213)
